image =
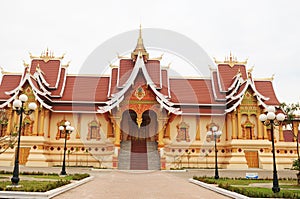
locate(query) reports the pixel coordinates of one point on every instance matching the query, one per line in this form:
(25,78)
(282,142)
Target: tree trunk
(298,178)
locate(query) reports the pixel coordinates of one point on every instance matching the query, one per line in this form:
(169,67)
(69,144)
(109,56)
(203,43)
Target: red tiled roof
(9,82)
(219,95)
(126,66)
(50,69)
(164,76)
(226,74)
(85,88)
(75,107)
(60,84)
(153,68)
(197,91)
(266,88)
(203,110)
(113,80)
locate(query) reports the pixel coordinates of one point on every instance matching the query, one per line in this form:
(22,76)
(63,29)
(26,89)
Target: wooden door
(252,159)
(24,153)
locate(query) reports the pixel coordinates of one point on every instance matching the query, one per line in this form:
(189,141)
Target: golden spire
(231,61)
(140,47)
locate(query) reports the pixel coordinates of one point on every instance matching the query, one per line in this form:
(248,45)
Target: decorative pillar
(36,122)
(227,119)
(167,135)
(117,124)
(78,129)
(295,130)
(259,128)
(198,136)
(109,130)
(281,137)
(10,116)
(42,122)
(161,129)
(49,116)
(239,128)
(266,137)
(233,125)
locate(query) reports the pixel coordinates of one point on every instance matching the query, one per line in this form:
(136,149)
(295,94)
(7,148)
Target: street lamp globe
(214,128)
(67,123)
(271,115)
(263,117)
(271,109)
(32,106)
(17,104)
(280,117)
(23,98)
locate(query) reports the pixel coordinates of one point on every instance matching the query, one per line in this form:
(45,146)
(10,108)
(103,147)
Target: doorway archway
(131,131)
(139,148)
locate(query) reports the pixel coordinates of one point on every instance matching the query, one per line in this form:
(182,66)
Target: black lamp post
(18,106)
(271,119)
(67,129)
(215,134)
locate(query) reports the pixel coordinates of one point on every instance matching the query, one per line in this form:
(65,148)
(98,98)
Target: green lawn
(37,182)
(256,188)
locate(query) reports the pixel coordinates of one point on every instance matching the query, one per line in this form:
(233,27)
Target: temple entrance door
(147,130)
(139,147)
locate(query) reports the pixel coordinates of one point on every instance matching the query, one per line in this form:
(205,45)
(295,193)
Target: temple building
(140,117)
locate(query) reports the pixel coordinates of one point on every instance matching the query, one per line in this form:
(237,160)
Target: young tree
(292,112)
(6,141)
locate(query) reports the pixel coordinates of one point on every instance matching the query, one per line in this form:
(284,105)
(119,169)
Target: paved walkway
(138,185)
(115,184)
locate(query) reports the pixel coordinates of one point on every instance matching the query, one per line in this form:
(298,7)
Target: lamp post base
(275,189)
(15,180)
(63,173)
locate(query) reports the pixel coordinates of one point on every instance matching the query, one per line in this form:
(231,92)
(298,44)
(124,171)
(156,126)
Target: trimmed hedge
(255,192)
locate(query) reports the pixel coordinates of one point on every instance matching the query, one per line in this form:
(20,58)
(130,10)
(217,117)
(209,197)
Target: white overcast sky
(266,32)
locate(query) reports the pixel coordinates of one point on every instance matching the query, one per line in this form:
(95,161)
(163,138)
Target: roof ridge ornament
(231,61)
(140,47)
(47,56)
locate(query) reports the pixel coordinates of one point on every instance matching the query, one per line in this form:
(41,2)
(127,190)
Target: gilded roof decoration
(46,56)
(231,61)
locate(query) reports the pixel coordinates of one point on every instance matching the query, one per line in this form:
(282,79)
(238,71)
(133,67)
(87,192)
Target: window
(182,132)
(93,130)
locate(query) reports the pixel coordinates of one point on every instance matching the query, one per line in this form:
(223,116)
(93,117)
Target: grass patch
(33,186)
(44,181)
(289,188)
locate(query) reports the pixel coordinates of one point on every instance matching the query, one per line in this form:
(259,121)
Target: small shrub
(78,176)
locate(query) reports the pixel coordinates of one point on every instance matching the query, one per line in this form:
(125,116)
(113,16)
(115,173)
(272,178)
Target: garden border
(218,189)
(44,195)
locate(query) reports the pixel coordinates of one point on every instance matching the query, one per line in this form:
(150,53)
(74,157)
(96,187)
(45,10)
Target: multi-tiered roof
(58,91)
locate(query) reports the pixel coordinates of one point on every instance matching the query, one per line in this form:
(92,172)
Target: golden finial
(122,57)
(140,47)
(140,33)
(251,69)
(66,65)
(25,64)
(272,78)
(158,58)
(231,61)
